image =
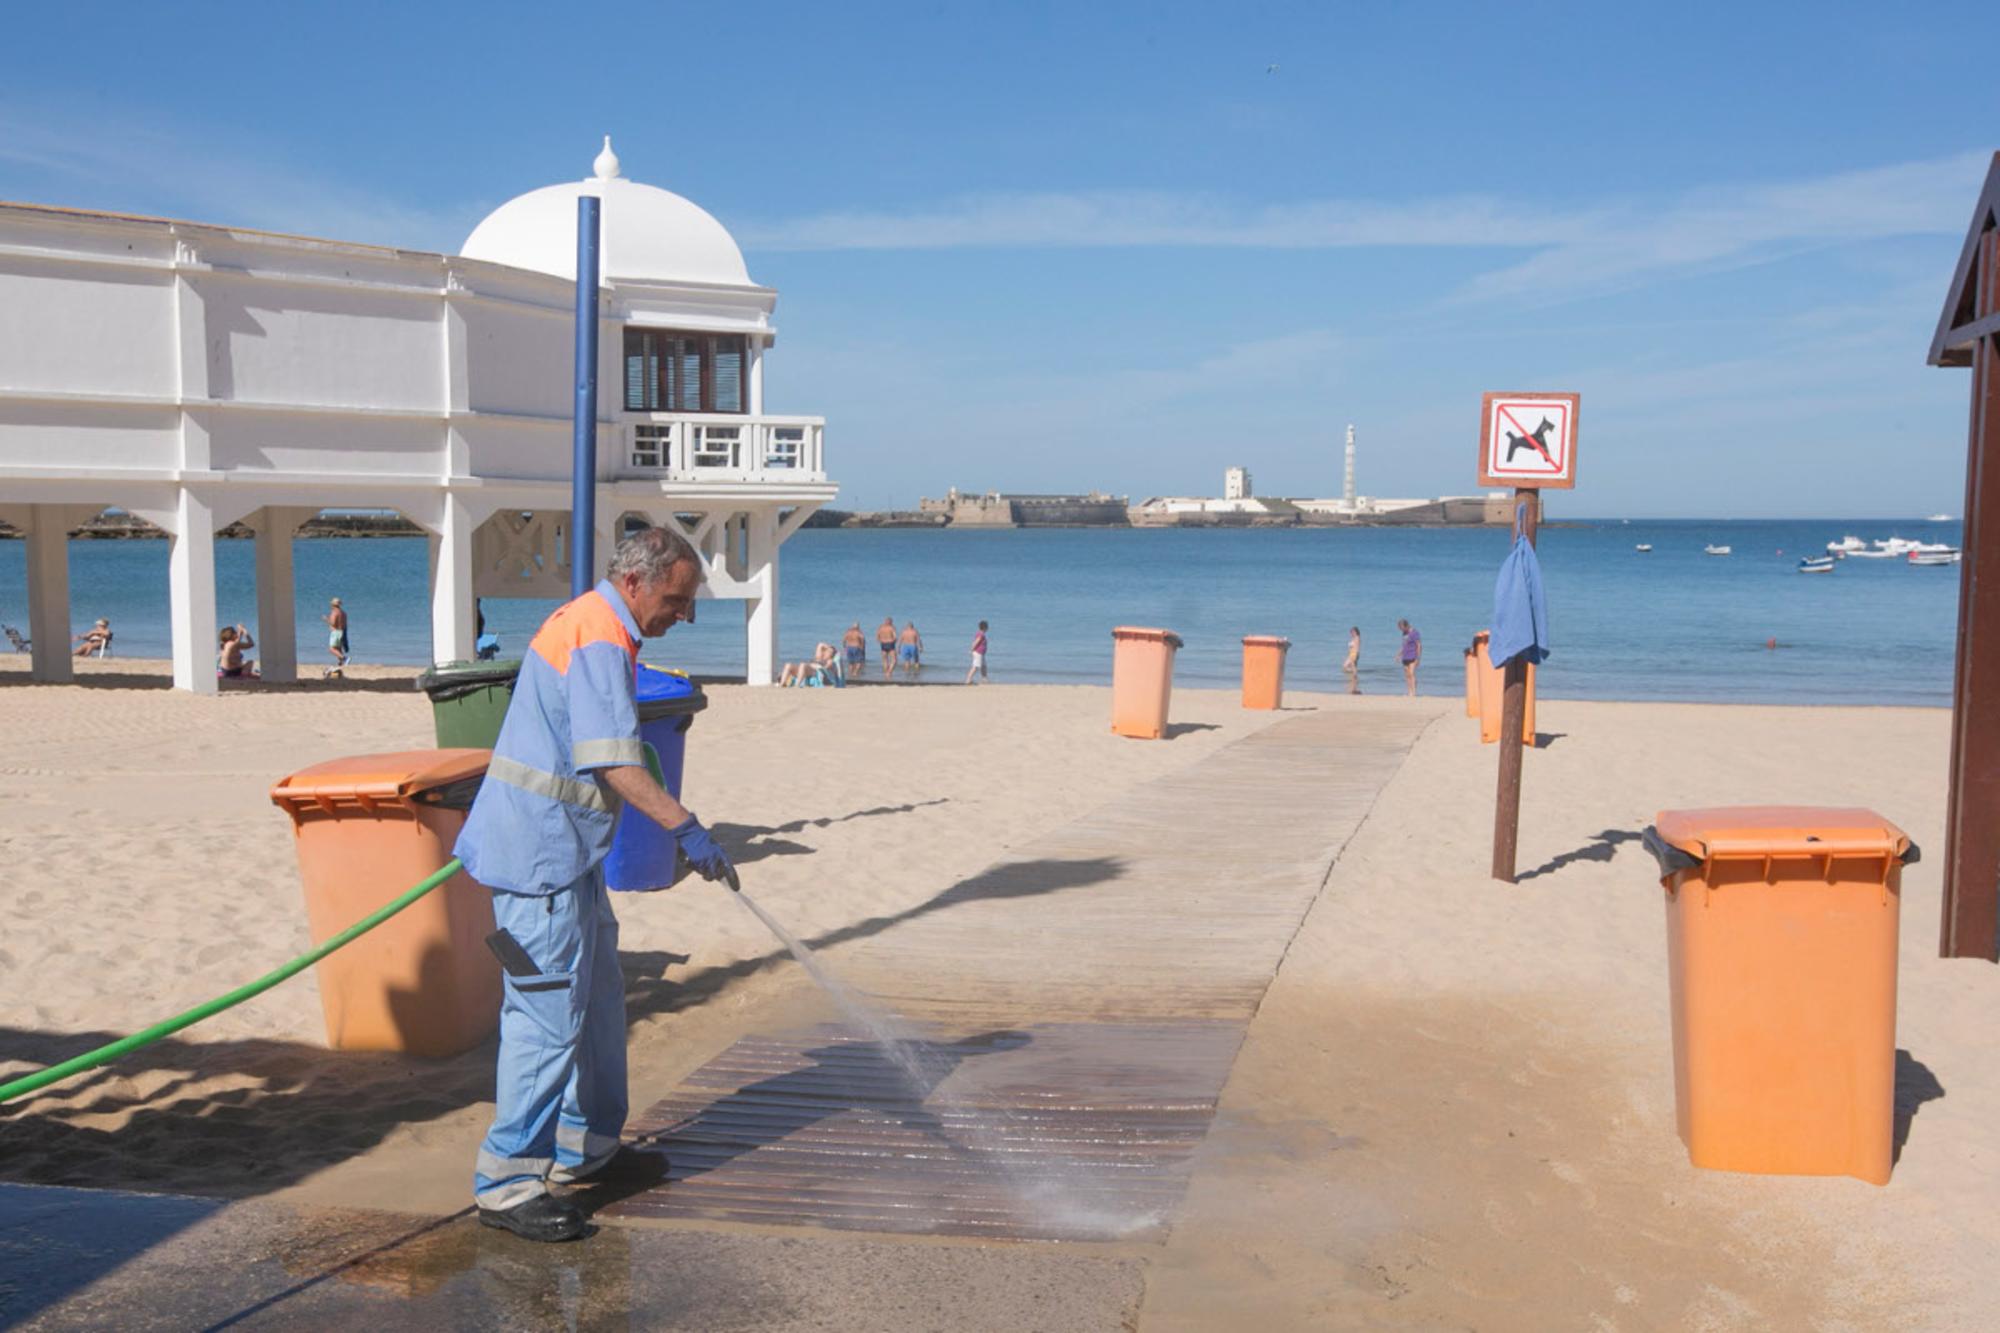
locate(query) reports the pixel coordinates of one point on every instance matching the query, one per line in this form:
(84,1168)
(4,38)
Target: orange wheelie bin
(1142,680)
(1264,670)
(1492,696)
(367,828)
(1781,954)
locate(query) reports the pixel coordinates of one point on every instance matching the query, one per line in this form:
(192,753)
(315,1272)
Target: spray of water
(1042,1194)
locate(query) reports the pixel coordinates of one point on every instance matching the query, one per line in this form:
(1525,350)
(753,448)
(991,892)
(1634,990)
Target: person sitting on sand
(910,650)
(854,648)
(885,639)
(230,663)
(824,669)
(96,639)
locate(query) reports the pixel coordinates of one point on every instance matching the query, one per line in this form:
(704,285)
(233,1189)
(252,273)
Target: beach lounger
(21,645)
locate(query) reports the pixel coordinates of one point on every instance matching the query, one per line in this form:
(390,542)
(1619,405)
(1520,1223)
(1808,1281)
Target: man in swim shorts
(336,638)
(855,648)
(885,639)
(910,650)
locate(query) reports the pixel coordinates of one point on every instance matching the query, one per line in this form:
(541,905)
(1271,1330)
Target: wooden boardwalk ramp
(1077,1009)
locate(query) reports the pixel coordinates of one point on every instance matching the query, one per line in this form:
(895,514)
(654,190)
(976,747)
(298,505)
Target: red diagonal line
(1524,435)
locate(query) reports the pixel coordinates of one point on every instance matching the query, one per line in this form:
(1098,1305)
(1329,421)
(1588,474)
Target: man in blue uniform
(568,756)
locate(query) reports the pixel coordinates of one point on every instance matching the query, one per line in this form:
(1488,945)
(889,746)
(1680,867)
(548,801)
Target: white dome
(648,234)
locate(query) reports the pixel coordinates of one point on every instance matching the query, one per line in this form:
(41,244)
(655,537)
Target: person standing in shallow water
(978,667)
(1412,653)
(885,639)
(1352,666)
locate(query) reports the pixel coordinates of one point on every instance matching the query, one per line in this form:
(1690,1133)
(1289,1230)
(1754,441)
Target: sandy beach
(1453,1105)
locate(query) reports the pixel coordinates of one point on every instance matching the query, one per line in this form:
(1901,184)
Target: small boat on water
(1643,546)
(1871,554)
(1847,544)
(1948,556)
(1715,550)
(1816,564)
(1938,518)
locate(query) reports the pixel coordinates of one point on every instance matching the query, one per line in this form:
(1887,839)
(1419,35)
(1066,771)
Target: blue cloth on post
(1520,608)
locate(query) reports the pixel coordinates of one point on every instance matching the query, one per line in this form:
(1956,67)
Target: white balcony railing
(724,447)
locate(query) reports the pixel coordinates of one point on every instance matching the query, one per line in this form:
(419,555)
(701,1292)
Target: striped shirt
(544,816)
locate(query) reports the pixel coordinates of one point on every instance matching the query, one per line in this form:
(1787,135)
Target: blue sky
(1056,247)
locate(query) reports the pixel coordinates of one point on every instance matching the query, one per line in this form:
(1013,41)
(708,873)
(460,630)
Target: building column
(48,594)
(191,592)
(760,613)
(756,403)
(277,601)
(452,625)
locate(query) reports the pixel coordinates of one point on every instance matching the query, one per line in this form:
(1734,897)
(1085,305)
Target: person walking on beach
(1352,666)
(885,639)
(910,649)
(336,639)
(567,759)
(854,647)
(1412,653)
(978,667)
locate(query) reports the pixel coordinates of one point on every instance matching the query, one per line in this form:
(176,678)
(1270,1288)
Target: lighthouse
(1347,487)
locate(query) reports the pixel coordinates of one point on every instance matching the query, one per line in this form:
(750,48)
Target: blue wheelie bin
(644,855)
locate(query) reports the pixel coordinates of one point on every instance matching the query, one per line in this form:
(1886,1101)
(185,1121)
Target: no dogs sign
(1528,439)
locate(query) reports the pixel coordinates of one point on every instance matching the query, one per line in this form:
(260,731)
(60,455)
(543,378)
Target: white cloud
(1575,250)
(125,164)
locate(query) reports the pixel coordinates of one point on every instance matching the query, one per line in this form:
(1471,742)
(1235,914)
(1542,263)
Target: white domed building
(200,375)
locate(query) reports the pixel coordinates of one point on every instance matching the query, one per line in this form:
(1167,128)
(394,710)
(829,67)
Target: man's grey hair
(650,553)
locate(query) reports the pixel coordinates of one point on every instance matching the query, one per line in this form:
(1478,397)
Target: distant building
(994,509)
(1236,484)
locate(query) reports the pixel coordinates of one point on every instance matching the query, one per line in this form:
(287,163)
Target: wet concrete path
(1080,1006)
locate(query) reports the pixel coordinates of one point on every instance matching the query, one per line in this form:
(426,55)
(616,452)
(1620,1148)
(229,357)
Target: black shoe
(543,1217)
(628,1166)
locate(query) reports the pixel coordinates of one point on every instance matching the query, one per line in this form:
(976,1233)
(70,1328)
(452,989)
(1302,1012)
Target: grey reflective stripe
(510,1195)
(586,753)
(585,1143)
(567,790)
(489,1166)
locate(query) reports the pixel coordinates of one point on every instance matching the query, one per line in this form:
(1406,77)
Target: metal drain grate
(1057,1132)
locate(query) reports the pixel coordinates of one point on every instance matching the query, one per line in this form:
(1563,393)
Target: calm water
(1672,624)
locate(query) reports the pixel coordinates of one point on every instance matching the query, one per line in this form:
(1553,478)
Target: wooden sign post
(1528,441)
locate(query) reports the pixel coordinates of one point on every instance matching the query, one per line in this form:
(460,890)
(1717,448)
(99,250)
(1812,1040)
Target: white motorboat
(1894,545)
(1643,546)
(1715,550)
(1847,544)
(1931,548)
(1947,556)
(1938,518)
(1816,564)
(1872,554)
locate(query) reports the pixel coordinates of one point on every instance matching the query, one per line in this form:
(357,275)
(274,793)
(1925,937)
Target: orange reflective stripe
(588,619)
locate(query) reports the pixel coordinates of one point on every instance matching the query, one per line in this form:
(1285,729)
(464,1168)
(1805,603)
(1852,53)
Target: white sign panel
(1528,439)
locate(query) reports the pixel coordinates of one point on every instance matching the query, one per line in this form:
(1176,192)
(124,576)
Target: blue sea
(1669,624)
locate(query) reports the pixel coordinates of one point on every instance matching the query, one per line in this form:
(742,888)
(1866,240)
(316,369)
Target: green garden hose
(104,1055)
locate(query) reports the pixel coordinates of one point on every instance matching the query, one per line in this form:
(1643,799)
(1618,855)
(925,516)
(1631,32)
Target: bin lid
(1142,635)
(460,677)
(1781,830)
(1266,641)
(369,780)
(663,693)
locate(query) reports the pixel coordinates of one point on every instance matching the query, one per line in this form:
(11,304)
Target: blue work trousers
(559,1093)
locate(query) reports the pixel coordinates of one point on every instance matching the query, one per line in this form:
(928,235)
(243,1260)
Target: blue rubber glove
(709,861)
